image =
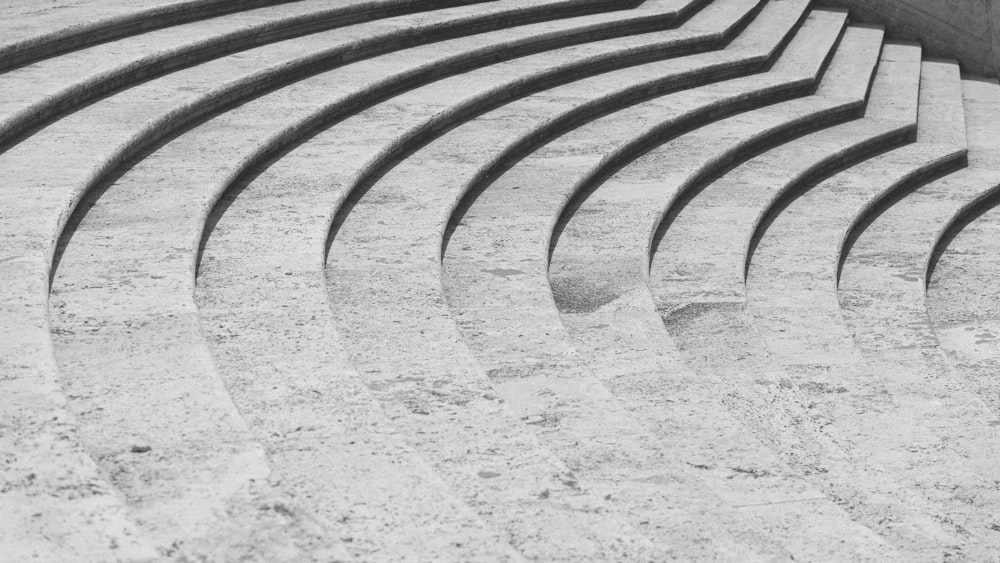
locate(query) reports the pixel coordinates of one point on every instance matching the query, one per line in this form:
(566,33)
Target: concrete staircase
(493,280)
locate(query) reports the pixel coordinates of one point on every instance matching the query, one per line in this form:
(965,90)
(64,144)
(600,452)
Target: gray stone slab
(960,293)
(882,300)
(942,113)
(42,91)
(495,282)
(702,257)
(33,30)
(30,94)
(602,227)
(361,253)
(791,292)
(79,149)
(221,389)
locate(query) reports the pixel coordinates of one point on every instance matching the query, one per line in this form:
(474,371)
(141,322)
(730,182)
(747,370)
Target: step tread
(81,148)
(494,278)
(792,295)
(25,20)
(349,256)
(697,279)
(961,303)
(29,90)
(35,32)
(57,504)
(882,300)
(959,291)
(895,93)
(745,353)
(58,85)
(197,157)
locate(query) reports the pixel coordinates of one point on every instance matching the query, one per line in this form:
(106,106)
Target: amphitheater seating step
(792,295)
(145,249)
(959,293)
(492,280)
(495,282)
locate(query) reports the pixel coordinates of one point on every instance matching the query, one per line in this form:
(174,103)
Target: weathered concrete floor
(493,280)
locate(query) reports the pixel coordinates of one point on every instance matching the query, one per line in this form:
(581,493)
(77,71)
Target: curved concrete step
(635,197)
(368,305)
(697,278)
(130,255)
(495,282)
(33,31)
(960,286)
(882,296)
(791,293)
(36,95)
(57,504)
(198,160)
(882,299)
(622,337)
(81,143)
(265,442)
(598,262)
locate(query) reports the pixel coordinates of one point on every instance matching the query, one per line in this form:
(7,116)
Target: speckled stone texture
(493,280)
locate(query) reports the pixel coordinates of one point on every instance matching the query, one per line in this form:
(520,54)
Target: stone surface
(572,280)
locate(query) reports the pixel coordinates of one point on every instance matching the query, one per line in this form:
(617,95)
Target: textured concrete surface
(573,280)
(496,258)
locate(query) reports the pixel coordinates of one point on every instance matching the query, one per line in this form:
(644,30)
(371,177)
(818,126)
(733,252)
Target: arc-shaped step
(33,31)
(700,291)
(494,117)
(637,73)
(609,274)
(257,121)
(882,298)
(792,296)
(960,283)
(495,280)
(35,95)
(27,248)
(497,288)
(148,178)
(902,348)
(889,255)
(381,429)
(57,504)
